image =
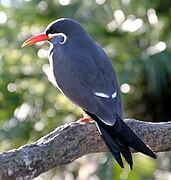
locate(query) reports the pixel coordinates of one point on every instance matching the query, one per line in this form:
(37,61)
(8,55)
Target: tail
(119,138)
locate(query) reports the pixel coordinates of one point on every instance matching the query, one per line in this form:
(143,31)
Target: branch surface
(71,141)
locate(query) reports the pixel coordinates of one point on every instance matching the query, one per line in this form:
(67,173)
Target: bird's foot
(86,118)
(83,120)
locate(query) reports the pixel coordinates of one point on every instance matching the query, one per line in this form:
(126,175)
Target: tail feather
(112,145)
(127,136)
(126,153)
(120,137)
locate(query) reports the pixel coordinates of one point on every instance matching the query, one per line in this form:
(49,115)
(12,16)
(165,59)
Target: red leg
(86,118)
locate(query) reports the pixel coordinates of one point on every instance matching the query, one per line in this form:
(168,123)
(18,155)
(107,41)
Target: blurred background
(136,35)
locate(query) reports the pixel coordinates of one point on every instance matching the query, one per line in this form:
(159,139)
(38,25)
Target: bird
(85,75)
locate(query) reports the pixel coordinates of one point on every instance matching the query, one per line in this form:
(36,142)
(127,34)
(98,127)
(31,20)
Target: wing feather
(85,74)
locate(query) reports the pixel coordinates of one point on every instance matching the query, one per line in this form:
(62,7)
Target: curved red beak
(35,39)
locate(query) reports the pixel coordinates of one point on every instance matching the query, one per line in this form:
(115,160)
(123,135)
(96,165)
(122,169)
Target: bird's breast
(58,62)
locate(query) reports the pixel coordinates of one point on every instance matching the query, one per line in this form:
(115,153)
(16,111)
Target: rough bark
(69,142)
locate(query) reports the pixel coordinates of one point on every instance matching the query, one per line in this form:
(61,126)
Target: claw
(83,120)
(86,118)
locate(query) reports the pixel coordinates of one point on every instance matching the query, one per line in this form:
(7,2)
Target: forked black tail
(119,138)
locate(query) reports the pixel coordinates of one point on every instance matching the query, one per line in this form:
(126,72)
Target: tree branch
(69,142)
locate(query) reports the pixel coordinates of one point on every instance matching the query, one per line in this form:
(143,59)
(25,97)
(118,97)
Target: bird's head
(58,32)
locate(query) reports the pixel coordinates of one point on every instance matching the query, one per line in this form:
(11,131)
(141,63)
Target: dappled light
(22,112)
(64,2)
(100,2)
(3,18)
(125,88)
(152,17)
(12,87)
(157,48)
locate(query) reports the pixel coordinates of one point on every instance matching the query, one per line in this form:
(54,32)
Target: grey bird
(85,75)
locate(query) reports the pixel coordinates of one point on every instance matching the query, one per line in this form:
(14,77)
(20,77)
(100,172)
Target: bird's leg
(86,118)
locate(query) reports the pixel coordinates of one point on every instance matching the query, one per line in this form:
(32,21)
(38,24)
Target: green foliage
(136,36)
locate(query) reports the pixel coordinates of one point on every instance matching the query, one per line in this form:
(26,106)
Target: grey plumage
(82,71)
(85,75)
(82,68)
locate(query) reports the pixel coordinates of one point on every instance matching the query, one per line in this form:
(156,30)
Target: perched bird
(85,75)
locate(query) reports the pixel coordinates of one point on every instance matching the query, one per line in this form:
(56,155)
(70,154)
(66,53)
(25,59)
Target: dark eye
(50,31)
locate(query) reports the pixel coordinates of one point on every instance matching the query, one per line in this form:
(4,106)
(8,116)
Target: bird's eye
(50,31)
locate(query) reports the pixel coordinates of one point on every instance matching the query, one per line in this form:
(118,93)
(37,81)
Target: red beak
(35,39)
